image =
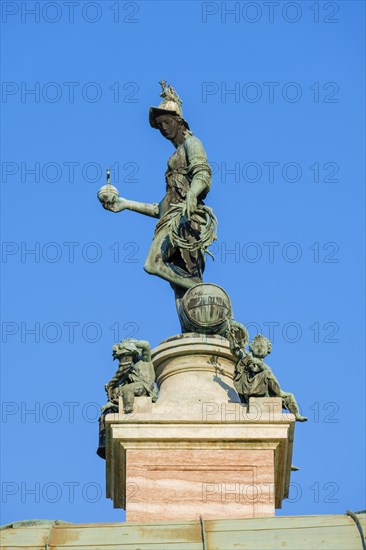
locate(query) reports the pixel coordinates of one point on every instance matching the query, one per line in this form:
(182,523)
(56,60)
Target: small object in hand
(107,194)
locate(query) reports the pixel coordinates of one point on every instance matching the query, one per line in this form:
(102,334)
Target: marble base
(196,451)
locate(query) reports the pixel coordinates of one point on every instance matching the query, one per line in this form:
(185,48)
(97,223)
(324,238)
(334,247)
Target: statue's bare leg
(291,405)
(129,391)
(179,294)
(157,262)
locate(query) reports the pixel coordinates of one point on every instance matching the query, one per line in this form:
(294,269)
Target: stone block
(198,450)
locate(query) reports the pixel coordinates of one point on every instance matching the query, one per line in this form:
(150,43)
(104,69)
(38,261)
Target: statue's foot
(128,409)
(101,452)
(300,418)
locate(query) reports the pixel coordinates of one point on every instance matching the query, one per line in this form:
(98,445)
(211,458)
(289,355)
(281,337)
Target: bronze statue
(254,378)
(135,376)
(186,226)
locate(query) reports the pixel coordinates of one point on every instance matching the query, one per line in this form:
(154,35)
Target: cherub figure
(254,378)
(135,376)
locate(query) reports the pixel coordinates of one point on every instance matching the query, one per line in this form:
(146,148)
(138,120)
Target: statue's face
(259,348)
(168,126)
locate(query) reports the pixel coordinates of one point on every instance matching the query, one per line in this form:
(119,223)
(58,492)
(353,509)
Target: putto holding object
(254,378)
(135,377)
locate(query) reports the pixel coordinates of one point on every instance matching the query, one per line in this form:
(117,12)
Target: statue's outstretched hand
(116,205)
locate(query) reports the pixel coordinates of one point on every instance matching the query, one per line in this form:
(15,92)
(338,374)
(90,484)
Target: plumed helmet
(170,105)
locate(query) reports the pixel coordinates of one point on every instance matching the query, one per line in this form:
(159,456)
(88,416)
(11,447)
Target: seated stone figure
(254,378)
(135,376)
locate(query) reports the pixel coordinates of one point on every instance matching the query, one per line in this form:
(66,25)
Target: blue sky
(275,95)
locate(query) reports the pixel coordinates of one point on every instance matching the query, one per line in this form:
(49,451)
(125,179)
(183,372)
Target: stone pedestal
(198,450)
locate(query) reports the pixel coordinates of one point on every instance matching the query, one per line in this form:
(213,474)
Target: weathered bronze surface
(186,226)
(185,230)
(254,378)
(205,308)
(135,376)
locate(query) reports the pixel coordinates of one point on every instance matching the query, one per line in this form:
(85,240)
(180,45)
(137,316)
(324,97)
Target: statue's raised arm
(110,200)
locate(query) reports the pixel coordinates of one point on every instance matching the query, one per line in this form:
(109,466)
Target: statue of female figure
(186,226)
